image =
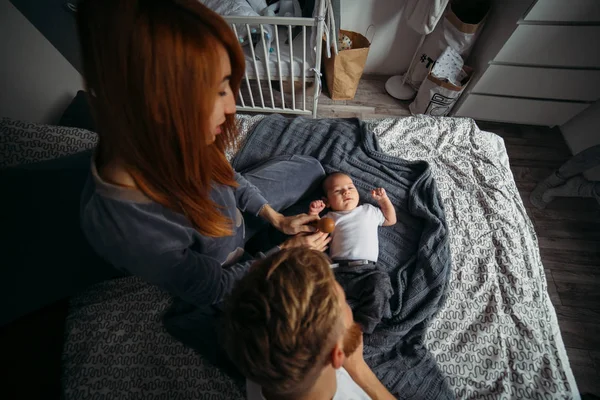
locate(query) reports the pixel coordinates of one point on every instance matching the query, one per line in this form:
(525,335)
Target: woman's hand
(295,224)
(288,225)
(314,241)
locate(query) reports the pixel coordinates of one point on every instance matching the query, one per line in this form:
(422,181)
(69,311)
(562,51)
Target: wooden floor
(568,230)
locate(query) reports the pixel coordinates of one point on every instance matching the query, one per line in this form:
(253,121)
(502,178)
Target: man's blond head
(282,320)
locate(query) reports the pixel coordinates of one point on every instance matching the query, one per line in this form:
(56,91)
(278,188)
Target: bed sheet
(496,337)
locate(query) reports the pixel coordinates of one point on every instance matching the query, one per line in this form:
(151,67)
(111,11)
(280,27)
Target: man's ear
(337,356)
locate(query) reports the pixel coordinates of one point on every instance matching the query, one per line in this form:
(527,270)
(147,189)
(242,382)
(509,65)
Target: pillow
(44,255)
(26,142)
(79,113)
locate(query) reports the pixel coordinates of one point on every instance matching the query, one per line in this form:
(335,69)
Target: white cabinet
(520,111)
(571,11)
(540,83)
(553,46)
(545,71)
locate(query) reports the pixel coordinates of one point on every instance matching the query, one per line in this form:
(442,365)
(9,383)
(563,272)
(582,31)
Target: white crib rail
(257,81)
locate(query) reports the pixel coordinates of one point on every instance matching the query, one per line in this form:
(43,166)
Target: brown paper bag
(343,70)
(436,96)
(459,29)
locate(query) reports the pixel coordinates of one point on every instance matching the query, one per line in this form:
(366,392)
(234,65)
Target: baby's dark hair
(329,177)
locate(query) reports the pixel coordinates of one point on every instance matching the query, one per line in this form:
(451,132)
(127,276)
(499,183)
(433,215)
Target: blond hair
(282,320)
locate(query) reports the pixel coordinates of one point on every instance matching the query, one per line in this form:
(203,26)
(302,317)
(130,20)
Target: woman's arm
(288,225)
(193,277)
(201,280)
(249,199)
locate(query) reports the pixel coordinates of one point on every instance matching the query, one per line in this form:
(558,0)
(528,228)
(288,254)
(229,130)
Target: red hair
(152,68)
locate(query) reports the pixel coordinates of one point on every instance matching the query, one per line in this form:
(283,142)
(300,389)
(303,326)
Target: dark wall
(56,22)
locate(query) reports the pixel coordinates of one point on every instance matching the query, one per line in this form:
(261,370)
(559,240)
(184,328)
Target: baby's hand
(316,207)
(379,194)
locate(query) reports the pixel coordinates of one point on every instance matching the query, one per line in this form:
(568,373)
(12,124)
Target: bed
(496,335)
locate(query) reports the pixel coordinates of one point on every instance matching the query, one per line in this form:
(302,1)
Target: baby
(354,246)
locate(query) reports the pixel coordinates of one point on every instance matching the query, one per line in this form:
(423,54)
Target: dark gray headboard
(56,23)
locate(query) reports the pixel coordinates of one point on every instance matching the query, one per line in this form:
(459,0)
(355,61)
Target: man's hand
(379,194)
(316,207)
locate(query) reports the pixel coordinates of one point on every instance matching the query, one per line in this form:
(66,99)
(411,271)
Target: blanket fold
(415,252)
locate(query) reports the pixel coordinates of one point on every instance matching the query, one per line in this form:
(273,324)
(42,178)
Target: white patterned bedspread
(496,337)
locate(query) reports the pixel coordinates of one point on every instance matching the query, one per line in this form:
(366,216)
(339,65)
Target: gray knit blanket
(415,252)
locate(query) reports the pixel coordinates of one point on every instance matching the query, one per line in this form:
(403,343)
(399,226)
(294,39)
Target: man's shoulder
(347,389)
(253,391)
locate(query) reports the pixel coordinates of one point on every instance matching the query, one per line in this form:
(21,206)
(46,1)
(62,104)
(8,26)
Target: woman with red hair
(162,202)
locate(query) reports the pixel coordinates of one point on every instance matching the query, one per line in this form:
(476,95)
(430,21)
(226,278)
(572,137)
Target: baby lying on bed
(354,247)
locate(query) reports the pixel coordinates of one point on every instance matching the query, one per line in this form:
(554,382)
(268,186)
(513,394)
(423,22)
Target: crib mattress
(496,337)
(289,68)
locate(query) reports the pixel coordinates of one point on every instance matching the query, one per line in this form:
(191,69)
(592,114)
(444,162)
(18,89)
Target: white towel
(423,15)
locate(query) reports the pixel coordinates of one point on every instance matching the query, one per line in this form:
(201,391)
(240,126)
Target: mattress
(496,337)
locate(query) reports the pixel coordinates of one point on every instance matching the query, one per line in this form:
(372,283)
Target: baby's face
(341,193)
